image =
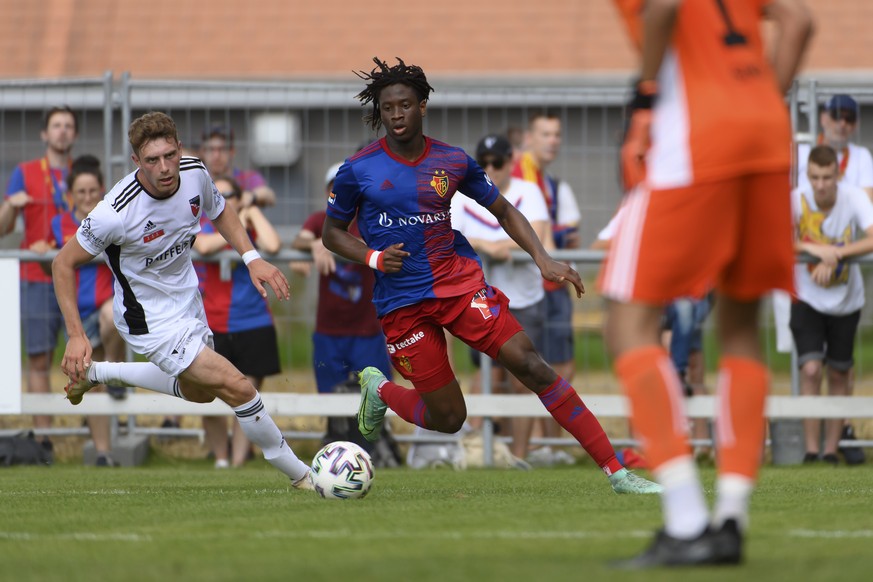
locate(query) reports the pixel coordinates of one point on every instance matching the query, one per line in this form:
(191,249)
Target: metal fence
(314,125)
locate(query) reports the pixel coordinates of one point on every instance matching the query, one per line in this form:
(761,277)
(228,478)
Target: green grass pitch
(186,521)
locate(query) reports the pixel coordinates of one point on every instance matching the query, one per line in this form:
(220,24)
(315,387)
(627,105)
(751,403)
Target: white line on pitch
(77,536)
(814,533)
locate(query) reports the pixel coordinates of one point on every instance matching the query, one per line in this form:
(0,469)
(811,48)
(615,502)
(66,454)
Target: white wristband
(373,261)
(250,256)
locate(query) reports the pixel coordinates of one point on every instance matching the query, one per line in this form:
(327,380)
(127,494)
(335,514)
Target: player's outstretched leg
(566,407)
(260,428)
(371,412)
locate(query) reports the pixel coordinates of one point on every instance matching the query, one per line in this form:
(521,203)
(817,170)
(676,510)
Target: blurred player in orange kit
(705,164)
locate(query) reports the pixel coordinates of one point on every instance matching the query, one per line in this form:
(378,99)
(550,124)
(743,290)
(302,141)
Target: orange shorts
(733,235)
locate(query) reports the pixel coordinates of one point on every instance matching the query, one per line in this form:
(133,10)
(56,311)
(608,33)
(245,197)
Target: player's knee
(452,423)
(238,391)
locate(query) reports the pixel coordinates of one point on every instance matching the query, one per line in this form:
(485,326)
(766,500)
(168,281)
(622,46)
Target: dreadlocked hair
(383,76)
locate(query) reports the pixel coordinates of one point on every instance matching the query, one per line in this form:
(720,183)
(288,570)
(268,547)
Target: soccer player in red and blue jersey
(428,278)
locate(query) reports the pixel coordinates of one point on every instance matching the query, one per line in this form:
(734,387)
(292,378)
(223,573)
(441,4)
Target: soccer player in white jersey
(146,226)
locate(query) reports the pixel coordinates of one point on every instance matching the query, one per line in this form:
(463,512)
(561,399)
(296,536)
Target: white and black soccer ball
(342,470)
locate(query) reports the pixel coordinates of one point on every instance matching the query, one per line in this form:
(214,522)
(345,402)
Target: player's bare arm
(520,230)
(77,354)
(794,25)
(337,239)
(260,271)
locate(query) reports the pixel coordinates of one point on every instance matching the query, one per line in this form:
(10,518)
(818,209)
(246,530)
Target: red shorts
(417,344)
(733,235)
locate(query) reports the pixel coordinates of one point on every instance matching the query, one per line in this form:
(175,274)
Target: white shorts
(173,348)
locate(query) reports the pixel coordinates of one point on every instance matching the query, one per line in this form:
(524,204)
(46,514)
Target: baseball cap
(330,175)
(841,102)
(495,145)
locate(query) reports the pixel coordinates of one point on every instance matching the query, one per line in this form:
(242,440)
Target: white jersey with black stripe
(147,244)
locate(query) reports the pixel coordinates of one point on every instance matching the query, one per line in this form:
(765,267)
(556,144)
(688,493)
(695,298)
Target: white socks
(685,512)
(137,374)
(732,501)
(253,417)
(261,430)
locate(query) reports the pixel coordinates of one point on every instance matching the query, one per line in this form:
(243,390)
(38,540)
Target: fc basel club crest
(407,365)
(440,182)
(195,205)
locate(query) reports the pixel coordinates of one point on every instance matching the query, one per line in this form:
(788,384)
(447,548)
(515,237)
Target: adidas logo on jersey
(387,185)
(150,226)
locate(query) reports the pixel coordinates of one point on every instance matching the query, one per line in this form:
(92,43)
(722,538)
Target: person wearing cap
(838,120)
(347,335)
(527,302)
(217,151)
(240,319)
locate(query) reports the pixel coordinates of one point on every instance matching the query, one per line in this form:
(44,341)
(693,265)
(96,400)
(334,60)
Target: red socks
(405,402)
(562,401)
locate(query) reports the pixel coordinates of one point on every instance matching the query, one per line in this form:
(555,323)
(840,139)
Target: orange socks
(657,404)
(742,392)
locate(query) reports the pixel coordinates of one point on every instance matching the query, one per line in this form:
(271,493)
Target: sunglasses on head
(846,115)
(496,163)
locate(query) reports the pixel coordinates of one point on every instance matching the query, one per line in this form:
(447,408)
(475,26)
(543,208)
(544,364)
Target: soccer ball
(342,470)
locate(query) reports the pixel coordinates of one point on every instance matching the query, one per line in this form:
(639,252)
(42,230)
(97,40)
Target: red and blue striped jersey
(47,188)
(398,201)
(93,281)
(234,305)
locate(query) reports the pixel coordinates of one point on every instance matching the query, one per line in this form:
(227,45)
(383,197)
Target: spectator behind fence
(527,302)
(428,278)
(347,336)
(147,224)
(217,151)
(238,316)
(829,216)
(542,141)
(37,190)
(94,284)
(705,166)
(839,118)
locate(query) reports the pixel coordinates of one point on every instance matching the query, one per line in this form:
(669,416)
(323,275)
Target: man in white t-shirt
(145,227)
(518,281)
(833,221)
